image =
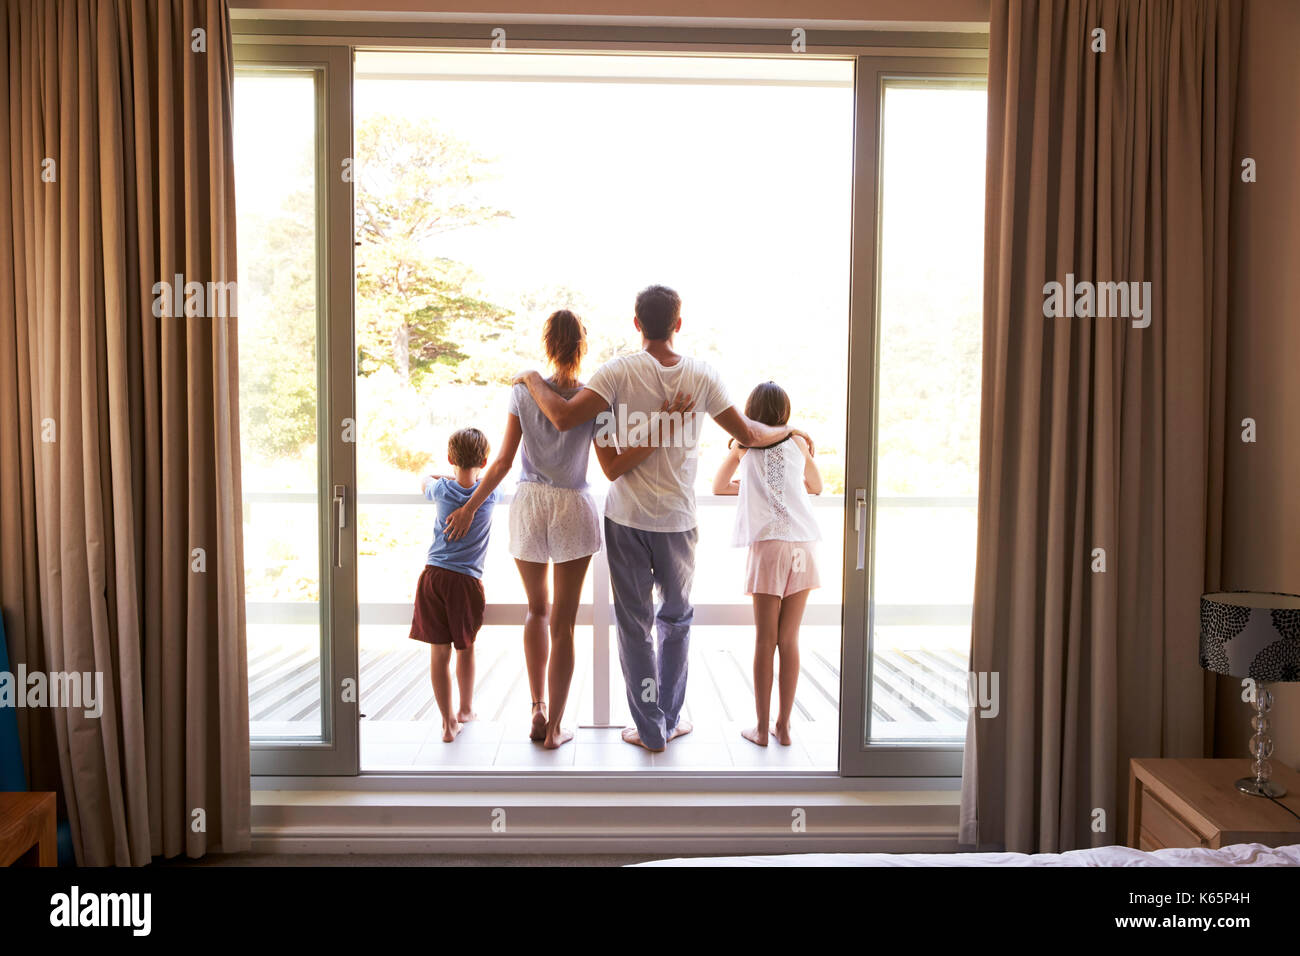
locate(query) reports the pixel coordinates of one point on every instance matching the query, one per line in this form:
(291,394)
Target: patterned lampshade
(1251,634)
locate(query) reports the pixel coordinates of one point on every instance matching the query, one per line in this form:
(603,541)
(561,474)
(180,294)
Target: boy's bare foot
(683,728)
(755,735)
(538,729)
(556,737)
(782,734)
(464,715)
(631,736)
(450,728)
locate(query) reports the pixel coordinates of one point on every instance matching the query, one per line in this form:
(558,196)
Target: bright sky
(736,193)
(718,189)
(729,178)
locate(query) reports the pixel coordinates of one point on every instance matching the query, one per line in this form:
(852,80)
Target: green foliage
(416,310)
(277,328)
(393,422)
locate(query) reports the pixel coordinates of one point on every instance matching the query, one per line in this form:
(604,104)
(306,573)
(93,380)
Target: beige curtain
(120,454)
(1108,166)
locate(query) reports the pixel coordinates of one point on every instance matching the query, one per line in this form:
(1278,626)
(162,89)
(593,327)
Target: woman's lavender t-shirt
(550,456)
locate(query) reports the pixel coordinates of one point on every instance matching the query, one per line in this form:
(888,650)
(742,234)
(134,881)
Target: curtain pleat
(122,545)
(1108,166)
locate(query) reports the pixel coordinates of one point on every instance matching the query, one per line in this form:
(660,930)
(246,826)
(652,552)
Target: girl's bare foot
(782,734)
(755,735)
(631,736)
(450,728)
(538,729)
(557,736)
(464,715)
(683,728)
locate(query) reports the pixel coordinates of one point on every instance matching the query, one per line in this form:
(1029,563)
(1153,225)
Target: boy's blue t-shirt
(465,555)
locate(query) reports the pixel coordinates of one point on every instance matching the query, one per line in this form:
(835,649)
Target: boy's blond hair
(468,448)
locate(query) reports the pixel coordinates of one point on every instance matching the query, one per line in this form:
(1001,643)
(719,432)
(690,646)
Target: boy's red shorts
(448,608)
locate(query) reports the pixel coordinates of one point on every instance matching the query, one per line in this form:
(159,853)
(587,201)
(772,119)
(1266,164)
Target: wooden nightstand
(1184,803)
(28,833)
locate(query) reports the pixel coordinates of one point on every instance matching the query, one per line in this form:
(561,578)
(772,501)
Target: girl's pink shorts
(781,567)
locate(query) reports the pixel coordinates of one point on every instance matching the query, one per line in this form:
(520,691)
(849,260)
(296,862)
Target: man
(650,524)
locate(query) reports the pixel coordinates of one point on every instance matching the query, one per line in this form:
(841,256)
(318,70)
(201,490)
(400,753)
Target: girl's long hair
(768,403)
(565,339)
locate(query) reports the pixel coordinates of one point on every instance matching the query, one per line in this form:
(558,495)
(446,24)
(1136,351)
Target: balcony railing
(909,688)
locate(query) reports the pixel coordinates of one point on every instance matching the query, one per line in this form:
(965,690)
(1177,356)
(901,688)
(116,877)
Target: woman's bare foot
(555,737)
(465,715)
(683,728)
(450,728)
(538,729)
(782,734)
(631,736)
(755,735)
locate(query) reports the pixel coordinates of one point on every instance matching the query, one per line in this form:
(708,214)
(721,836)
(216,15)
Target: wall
(1262,480)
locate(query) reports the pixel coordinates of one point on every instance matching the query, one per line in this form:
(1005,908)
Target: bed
(1242,854)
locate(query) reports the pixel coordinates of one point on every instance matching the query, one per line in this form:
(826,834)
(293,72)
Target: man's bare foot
(683,728)
(555,737)
(631,736)
(450,728)
(782,734)
(465,715)
(538,729)
(755,735)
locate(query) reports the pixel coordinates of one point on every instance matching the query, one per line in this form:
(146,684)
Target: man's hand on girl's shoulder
(521,378)
(799,433)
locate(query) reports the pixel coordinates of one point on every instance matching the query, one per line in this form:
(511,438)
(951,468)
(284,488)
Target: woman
(553,519)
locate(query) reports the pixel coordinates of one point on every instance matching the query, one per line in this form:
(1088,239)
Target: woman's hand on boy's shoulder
(458,522)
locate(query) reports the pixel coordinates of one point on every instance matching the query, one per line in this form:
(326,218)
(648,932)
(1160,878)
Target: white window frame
(329,45)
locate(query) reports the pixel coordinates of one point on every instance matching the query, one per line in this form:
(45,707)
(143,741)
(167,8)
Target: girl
(775,520)
(553,519)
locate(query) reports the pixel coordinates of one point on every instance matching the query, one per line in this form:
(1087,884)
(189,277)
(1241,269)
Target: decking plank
(910,684)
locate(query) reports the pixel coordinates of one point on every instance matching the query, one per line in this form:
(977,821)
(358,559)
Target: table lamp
(1253,634)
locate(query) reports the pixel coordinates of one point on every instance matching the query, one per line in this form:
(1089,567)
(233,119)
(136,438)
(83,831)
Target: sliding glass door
(495,187)
(917,318)
(408,219)
(294,212)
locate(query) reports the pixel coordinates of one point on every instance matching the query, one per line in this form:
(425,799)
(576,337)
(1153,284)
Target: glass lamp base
(1257,788)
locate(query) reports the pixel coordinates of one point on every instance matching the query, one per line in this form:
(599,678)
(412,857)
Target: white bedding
(1242,854)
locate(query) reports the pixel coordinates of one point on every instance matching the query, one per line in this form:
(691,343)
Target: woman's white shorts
(553,524)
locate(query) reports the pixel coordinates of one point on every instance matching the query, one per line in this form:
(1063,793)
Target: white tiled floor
(490,745)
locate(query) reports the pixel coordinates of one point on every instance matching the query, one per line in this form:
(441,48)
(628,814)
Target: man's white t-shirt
(658,494)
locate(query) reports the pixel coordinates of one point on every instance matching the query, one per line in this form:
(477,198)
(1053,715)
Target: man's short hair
(468,448)
(657,309)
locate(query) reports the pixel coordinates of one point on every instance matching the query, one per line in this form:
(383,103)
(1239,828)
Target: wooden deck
(917,692)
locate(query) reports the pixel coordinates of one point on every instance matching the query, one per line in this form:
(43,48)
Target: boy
(449,598)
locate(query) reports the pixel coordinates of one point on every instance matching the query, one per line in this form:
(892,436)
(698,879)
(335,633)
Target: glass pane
(927,455)
(494,188)
(275,189)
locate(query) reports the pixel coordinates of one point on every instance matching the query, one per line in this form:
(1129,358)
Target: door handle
(340,522)
(859,525)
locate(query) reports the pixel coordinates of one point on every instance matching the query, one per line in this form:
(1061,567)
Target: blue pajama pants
(654,671)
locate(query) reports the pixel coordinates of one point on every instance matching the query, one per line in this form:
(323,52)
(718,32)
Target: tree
(415,182)
(277,327)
